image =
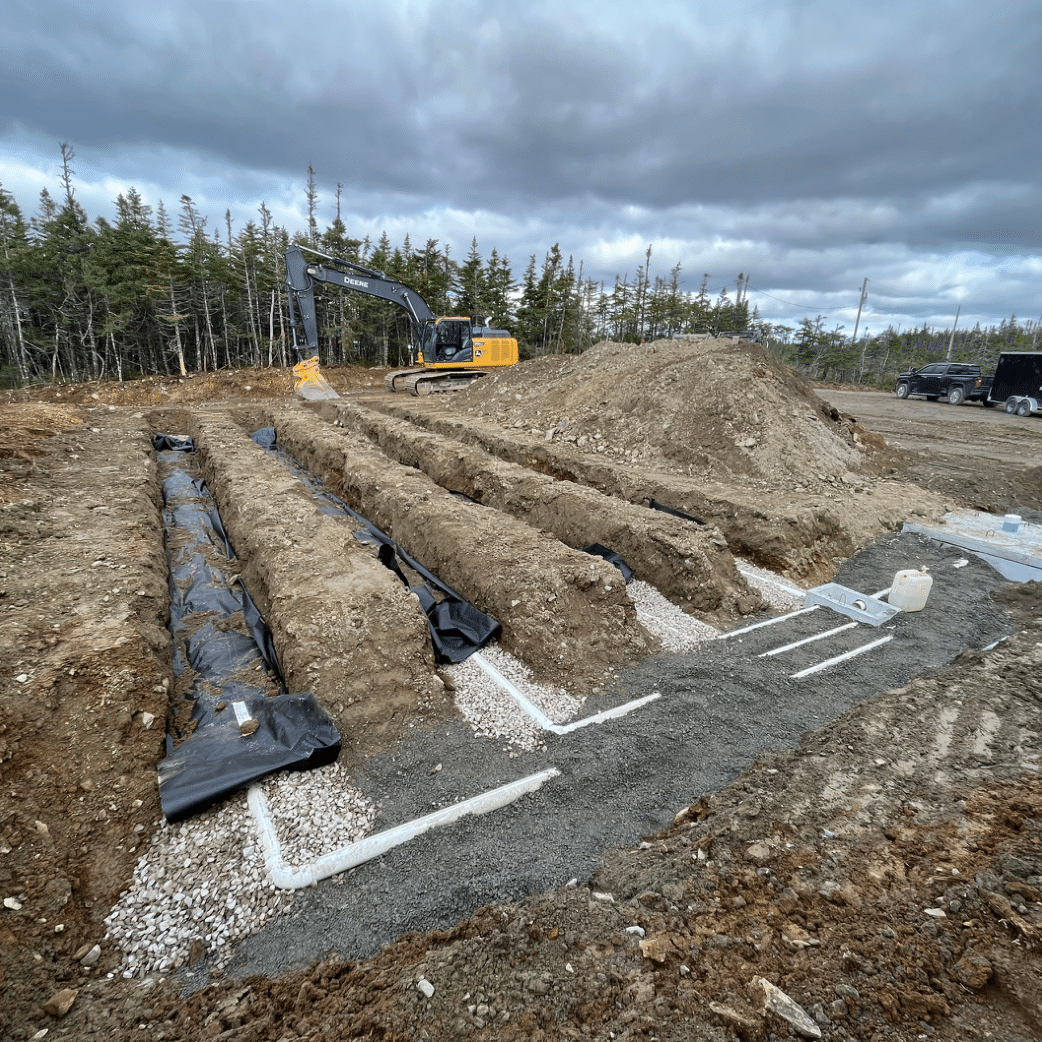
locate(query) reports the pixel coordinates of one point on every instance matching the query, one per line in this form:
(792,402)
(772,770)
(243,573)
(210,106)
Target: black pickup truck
(958,382)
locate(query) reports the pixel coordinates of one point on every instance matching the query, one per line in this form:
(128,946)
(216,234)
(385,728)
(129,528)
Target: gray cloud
(809,143)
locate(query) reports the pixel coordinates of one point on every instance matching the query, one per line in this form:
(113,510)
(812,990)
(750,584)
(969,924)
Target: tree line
(155,293)
(150,292)
(830,355)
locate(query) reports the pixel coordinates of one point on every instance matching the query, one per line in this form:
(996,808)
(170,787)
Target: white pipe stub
(287,877)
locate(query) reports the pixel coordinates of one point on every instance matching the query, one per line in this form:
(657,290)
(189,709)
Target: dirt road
(955,439)
(867,837)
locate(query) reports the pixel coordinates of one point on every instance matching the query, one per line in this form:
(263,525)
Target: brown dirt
(815,869)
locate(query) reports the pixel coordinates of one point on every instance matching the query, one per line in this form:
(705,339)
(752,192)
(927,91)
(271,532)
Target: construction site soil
(866,838)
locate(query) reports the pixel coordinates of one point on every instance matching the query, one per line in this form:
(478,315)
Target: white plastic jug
(910,590)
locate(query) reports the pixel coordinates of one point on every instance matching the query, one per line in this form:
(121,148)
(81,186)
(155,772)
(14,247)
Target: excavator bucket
(311,385)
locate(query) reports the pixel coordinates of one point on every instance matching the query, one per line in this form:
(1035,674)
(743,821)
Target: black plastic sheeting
(597,550)
(656,505)
(458,629)
(215,758)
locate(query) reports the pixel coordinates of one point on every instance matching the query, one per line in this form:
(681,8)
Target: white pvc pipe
(541,718)
(288,878)
(501,681)
(839,658)
(608,714)
(768,622)
(748,573)
(807,640)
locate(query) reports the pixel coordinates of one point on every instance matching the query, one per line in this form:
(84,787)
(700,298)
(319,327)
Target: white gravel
(202,882)
(315,812)
(677,630)
(780,593)
(492,713)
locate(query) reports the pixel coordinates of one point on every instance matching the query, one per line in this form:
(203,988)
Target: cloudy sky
(809,144)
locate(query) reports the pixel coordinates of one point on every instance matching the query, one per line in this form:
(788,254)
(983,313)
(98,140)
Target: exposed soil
(871,844)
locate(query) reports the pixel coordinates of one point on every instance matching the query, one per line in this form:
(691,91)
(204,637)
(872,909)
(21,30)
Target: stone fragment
(973,971)
(656,948)
(537,986)
(426,987)
(92,956)
(13,903)
(60,1003)
(735,1019)
(796,937)
(147,720)
(936,913)
(775,1001)
(758,852)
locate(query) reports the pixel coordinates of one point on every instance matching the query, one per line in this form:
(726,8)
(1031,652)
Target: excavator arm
(301,277)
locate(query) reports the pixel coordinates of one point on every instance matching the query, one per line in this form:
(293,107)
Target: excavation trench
(345,627)
(234,718)
(687,563)
(803,543)
(564,613)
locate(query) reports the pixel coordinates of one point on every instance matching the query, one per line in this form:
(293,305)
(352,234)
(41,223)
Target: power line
(792,303)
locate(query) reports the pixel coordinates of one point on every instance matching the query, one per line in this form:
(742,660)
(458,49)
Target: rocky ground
(878,860)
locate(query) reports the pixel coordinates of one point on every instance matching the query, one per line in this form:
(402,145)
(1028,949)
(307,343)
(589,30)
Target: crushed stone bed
(202,885)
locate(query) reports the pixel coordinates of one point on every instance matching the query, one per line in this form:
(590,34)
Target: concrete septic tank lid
(1015,555)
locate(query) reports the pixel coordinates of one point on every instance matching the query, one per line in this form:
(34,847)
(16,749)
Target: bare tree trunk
(179,347)
(118,357)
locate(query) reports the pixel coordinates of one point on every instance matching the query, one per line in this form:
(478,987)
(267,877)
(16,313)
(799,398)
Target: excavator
(451,352)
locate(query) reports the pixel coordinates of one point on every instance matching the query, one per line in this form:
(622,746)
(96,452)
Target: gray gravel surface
(721,707)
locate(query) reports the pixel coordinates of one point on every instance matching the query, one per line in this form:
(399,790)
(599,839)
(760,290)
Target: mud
(802,531)
(344,626)
(564,613)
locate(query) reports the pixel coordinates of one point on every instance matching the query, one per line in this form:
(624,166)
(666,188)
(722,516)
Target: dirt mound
(223,385)
(703,407)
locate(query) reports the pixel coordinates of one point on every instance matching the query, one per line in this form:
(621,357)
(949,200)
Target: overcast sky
(809,144)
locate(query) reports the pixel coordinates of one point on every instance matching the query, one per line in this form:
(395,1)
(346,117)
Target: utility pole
(951,339)
(857,321)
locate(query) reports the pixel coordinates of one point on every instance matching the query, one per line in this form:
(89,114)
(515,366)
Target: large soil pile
(701,407)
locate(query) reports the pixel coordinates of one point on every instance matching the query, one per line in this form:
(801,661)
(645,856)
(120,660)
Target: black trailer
(1018,382)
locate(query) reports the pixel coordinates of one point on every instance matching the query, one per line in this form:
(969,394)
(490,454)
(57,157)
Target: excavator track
(420,382)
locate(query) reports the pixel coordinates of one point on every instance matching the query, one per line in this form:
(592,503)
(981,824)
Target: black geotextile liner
(598,550)
(215,757)
(458,629)
(656,505)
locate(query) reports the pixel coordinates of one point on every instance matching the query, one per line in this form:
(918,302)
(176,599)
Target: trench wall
(803,543)
(345,627)
(690,565)
(564,613)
